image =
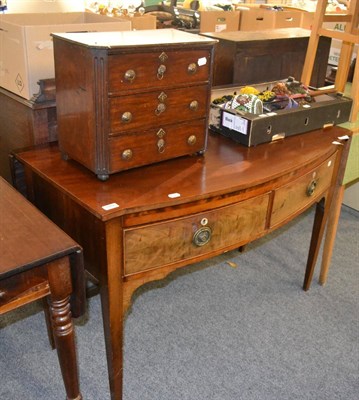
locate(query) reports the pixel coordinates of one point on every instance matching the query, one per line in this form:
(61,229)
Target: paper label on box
(235,123)
(220,27)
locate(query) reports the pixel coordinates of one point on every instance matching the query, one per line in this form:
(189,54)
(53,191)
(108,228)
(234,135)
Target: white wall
(37,6)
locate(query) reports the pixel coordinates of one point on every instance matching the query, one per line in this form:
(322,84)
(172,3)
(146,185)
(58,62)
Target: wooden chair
(349,38)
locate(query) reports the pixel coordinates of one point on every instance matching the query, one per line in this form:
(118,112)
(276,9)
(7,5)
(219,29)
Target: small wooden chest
(248,57)
(126,99)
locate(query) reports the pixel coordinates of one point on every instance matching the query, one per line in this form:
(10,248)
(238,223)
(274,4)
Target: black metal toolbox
(253,129)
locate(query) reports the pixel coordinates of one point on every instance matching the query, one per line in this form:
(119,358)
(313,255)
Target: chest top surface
(226,167)
(128,39)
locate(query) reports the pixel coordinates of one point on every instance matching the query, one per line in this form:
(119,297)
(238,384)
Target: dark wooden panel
(263,56)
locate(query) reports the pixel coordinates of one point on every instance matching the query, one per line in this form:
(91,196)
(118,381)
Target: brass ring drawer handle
(161,146)
(130,75)
(311,187)
(160,108)
(202,236)
(161,71)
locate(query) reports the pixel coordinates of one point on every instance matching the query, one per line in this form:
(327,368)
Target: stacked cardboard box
(26,52)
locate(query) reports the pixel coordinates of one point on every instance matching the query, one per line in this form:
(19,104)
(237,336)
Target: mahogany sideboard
(39,261)
(144,223)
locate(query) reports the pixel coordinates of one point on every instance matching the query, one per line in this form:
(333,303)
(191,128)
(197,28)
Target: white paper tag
(345,137)
(235,123)
(110,206)
(220,27)
(202,61)
(174,195)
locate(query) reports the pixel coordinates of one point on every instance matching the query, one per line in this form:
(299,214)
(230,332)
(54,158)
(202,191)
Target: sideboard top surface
(226,167)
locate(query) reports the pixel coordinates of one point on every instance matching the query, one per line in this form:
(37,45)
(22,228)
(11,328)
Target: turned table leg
(59,276)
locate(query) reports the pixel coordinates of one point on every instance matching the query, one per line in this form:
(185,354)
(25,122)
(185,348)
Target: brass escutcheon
(192,140)
(127,154)
(126,117)
(161,133)
(130,75)
(202,236)
(163,57)
(162,97)
(192,68)
(311,187)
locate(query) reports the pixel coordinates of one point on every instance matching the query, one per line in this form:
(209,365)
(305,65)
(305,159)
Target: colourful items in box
(281,96)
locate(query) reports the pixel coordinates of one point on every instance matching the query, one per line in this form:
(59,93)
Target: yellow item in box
(26,50)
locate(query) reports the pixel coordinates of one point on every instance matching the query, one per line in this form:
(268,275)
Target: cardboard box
(142,22)
(219,21)
(288,19)
(26,51)
(307,20)
(256,19)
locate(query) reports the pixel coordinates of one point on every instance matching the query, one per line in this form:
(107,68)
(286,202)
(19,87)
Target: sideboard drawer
(167,68)
(128,113)
(160,244)
(297,195)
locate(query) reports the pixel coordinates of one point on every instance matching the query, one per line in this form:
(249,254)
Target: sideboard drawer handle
(202,236)
(130,75)
(311,187)
(126,117)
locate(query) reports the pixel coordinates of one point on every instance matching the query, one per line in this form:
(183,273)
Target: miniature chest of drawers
(126,99)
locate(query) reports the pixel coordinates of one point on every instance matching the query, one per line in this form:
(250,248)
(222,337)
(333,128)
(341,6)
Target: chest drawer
(153,145)
(299,194)
(156,245)
(159,68)
(128,113)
